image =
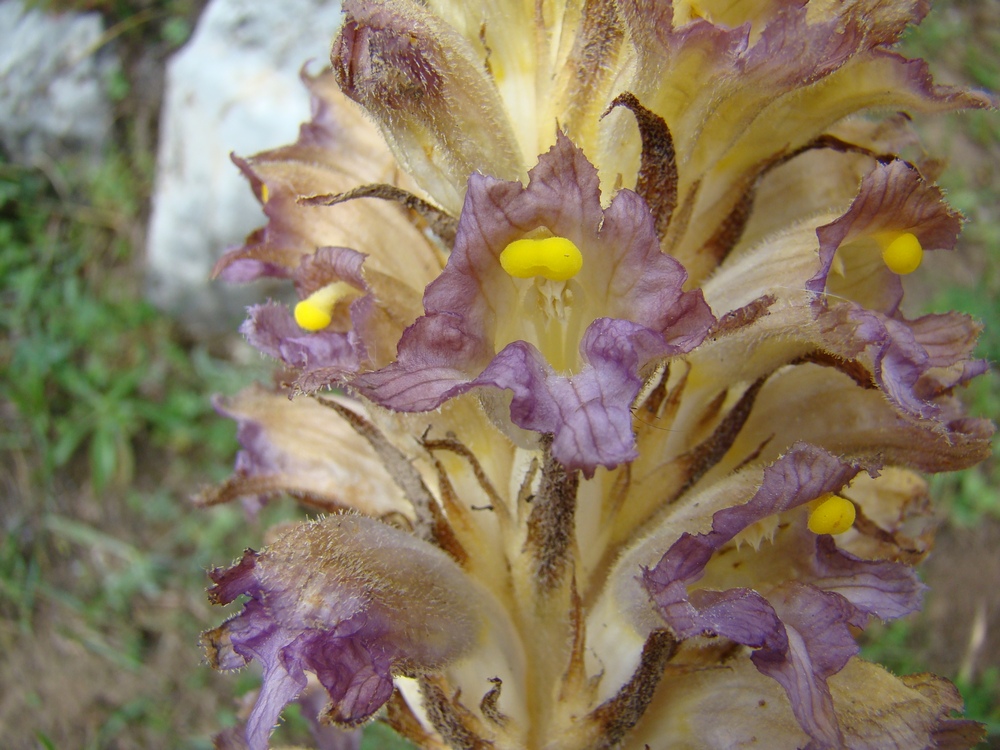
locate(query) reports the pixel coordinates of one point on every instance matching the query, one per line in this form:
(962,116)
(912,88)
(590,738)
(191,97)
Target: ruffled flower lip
(799,628)
(626,302)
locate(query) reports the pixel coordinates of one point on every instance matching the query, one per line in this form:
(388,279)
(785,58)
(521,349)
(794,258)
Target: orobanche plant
(598,379)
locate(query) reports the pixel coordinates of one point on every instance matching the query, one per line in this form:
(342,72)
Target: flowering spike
(315,312)
(902,253)
(554,258)
(598,384)
(833,515)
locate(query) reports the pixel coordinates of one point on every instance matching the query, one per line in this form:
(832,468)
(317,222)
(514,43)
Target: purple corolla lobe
(571,352)
(799,627)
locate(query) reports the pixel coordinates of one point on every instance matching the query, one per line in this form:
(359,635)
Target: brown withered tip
(211,644)
(345,55)
(385,62)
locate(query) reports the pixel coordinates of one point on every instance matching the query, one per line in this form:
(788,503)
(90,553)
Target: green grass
(92,369)
(107,425)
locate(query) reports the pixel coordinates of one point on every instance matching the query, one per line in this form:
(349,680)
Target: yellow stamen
(315,312)
(554,258)
(264,192)
(833,515)
(901,252)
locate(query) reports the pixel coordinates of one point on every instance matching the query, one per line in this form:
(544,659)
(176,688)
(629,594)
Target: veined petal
(890,352)
(886,590)
(301,447)
(481,330)
(946,338)
(893,199)
(819,644)
(272,329)
(589,413)
(362,314)
(329,264)
(336,151)
(803,474)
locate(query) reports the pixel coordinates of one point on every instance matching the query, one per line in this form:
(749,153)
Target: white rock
(53,75)
(234,87)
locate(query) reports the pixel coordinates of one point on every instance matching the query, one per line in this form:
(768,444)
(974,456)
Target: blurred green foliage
(107,424)
(88,365)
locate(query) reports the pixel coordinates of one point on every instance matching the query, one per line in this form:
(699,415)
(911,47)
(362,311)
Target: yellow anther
(264,192)
(554,258)
(833,515)
(901,252)
(315,312)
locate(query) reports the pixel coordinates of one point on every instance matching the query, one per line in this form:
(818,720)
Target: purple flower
(589,338)
(799,627)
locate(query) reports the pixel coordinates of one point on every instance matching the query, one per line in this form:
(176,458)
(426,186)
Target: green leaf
(103,456)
